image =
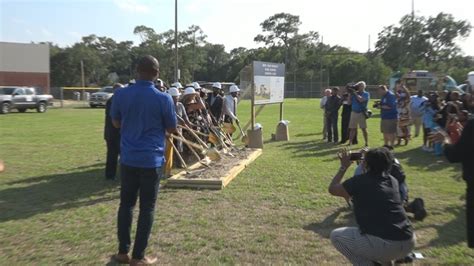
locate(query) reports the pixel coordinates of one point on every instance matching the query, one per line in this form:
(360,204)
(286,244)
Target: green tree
(417,40)
(279,30)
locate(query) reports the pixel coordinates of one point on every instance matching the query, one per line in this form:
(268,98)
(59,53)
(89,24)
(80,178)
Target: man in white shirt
(230,105)
(322,104)
(417,111)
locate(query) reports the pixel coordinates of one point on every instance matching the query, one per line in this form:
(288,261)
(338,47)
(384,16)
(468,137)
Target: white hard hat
(189,91)
(361,83)
(159,81)
(196,86)
(234,88)
(173,91)
(177,85)
(217,85)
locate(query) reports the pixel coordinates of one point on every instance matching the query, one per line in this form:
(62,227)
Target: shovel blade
(213,154)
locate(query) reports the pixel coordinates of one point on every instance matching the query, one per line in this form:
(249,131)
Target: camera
(376,104)
(356,156)
(351,88)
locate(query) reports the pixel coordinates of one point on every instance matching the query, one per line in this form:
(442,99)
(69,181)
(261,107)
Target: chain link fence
(304,89)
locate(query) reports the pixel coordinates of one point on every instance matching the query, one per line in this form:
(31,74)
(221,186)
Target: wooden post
(253,101)
(281,111)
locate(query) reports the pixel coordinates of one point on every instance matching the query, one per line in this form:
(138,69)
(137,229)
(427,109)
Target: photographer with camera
(359,99)
(388,114)
(384,233)
(417,206)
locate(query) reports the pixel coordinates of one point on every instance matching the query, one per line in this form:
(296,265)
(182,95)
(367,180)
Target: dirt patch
(220,168)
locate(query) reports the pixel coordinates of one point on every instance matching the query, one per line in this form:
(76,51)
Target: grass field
(56,207)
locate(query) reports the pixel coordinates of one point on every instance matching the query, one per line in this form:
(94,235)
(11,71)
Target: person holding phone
(462,152)
(383,233)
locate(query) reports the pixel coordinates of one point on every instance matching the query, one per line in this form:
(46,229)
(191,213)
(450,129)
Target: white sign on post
(269,82)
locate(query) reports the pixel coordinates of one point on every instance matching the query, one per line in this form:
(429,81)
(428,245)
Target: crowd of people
(378,191)
(141,117)
(201,112)
(427,112)
(145,122)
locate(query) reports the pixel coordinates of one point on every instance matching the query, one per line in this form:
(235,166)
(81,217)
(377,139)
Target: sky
(233,23)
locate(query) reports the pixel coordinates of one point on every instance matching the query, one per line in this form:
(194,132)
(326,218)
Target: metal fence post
(61,96)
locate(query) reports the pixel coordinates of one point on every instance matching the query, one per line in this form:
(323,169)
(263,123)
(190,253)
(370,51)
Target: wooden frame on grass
(179,180)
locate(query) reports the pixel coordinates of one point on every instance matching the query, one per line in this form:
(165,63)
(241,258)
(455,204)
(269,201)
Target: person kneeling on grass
(384,233)
(417,206)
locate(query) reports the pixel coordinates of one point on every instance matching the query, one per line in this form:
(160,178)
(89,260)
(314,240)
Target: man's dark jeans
(146,182)
(331,127)
(113,152)
(470,212)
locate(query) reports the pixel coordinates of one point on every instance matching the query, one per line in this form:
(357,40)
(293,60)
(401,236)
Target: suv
(22,99)
(101,97)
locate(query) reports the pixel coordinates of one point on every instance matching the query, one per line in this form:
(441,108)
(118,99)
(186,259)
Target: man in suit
(216,102)
(112,139)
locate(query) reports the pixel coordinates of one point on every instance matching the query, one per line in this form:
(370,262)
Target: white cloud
(133,6)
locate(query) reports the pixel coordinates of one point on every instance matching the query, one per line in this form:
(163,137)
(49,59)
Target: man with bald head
(144,116)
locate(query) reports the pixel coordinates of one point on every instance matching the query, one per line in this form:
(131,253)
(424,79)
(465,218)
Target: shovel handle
(187,142)
(191,148)
(241,131)
(192,133)
(177,153)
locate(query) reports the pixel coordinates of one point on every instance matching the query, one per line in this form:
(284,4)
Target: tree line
(417,42)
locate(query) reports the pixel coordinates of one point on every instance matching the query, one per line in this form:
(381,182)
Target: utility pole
(412,37)
(82,74)
(321,68)
(176,78)
(368,50)
(83,81)
(194,53)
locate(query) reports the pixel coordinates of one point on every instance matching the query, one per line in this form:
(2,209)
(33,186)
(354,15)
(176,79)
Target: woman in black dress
(345,118)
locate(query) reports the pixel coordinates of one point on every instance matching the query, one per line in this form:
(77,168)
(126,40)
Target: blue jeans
(135,180)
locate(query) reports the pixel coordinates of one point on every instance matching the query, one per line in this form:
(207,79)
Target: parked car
(22,99)
(101,97)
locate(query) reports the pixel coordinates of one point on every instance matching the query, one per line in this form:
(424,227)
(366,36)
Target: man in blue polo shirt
(358,100)
(144,116)
(388,115)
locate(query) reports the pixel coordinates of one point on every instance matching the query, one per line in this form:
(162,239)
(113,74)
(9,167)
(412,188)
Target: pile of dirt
(218,169)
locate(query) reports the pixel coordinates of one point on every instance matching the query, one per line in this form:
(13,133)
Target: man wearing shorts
(389,115)
(358,100)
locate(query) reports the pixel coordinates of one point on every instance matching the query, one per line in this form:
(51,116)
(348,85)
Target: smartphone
(356,156)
